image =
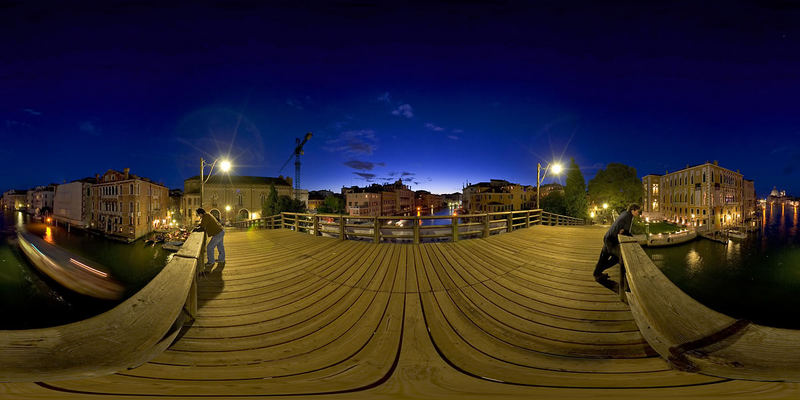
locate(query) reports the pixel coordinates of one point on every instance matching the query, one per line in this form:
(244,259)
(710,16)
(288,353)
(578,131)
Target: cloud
(88,127)
(367,176)
(360,165)
(452,137)
(405,110)
(433,127)
(299,103)
(353,142)
(407,173)
(32,111)
(381,164)
(385,98)
(458,131)
(10,123)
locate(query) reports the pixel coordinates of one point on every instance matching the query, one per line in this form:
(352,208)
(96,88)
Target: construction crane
(298,151)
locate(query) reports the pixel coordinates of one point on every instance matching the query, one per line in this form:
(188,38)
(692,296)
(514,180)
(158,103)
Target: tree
(270,206)
(575,192)
(288,204)
(617,185)
(554,203)
(332,205)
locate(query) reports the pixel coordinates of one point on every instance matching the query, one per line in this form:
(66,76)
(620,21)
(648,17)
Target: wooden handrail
(374,226)
(128,335)
(693,337)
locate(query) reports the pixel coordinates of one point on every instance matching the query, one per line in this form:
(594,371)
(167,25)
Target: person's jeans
(215,242)
(609,256)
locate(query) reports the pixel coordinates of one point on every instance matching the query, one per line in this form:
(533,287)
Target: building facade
(126,206)
(15,199)
(40,200)
(363,204)
(498,195)
(375,200)
(704,196)
(72,203)
(232,197)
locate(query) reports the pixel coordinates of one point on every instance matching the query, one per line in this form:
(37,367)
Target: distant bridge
(514,315)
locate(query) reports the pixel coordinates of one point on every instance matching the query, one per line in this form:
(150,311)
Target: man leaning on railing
(216,234)
(610,255)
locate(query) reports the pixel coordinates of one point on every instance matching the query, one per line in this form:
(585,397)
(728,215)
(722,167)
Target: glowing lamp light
(557,168)
(591,214)
(227,208)
(605,206)
(225,165)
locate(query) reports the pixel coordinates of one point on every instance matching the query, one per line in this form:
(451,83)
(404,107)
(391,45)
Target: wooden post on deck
(510,222)
(316,226)
(377,230)
(486,226)
(416,230)
(341,227)
(297,222)
(527,219)
(454,224)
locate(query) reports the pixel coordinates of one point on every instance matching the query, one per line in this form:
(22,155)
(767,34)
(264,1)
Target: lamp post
(556,170)
(224,165)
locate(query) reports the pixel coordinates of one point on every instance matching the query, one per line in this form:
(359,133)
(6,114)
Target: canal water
(30,299)
(757,278)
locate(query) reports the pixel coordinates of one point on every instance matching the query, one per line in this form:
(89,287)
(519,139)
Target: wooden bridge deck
(514,315)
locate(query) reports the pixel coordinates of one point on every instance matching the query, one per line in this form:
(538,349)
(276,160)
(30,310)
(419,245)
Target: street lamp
(556,170)
(224,165)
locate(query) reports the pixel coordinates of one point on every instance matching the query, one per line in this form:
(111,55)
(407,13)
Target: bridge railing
(126,336)
(409,229)
(693,337)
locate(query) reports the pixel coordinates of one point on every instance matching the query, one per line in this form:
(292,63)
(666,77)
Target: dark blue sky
(439,95)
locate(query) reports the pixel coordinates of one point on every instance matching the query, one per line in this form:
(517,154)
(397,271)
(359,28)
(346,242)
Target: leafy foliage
(332,205)
(554,202)
(575,192)
(270,206)
(617,185)
(288,204)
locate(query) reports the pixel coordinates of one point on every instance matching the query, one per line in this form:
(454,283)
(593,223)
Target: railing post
(454,223)
(341,227)
(510,222)
(297,222)
(377,230)
(486,226)
(416,230)
(528,219)
(316,226)
(281,222)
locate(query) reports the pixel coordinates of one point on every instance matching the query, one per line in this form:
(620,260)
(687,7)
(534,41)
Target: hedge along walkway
(513,316)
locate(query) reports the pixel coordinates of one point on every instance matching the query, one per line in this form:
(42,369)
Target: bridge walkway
(511,316)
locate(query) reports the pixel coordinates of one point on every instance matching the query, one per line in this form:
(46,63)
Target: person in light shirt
(216,234)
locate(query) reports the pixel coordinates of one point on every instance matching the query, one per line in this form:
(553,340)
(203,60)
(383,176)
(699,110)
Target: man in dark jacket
(610,254)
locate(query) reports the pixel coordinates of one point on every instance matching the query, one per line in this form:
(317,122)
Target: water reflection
(30,299)
(693,261)
(757,278)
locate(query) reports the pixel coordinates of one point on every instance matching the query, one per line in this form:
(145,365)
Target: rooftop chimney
(716,162)
(127,172)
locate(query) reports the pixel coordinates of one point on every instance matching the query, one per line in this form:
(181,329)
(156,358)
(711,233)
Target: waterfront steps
(512,316)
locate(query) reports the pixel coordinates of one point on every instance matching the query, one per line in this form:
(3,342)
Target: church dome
(775,192)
